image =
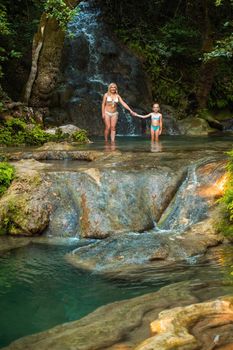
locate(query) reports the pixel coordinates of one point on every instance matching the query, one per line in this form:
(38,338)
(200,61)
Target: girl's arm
(143,116)
(161,124)
(103,105)
(125,105)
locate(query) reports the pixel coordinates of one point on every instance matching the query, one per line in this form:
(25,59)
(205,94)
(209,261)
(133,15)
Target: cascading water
(91,61)
(186,209)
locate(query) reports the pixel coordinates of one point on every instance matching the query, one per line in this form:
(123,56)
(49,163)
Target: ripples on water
(39,289)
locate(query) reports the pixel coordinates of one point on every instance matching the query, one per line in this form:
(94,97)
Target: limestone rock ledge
(197,326)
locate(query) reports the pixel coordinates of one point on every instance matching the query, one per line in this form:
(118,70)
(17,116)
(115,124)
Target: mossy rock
(194,127)
(23,208)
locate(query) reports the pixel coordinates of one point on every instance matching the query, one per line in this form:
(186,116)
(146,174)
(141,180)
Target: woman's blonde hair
(110,85)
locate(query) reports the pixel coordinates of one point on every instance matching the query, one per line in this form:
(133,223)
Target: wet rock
(55,151)
(103,202)
(24,207)
(203,185)
(64,129)
(56,146)
(132,253)
(186,229)
(174,327)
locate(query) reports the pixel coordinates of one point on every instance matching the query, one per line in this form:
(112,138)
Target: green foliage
(60,11)
(7,173)
(16,132)
(80,136)
(4,24)
(221,95)
(227,224)
(223,48)
(161,52)
(170,39)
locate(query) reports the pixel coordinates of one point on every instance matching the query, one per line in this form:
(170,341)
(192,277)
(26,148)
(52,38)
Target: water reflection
(156,147)
(110,146)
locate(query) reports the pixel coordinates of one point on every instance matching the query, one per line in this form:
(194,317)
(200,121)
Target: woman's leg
(152,134)
(113,127)
(107,126)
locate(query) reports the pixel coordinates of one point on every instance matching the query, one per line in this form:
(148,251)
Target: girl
(156,122)
(109,110)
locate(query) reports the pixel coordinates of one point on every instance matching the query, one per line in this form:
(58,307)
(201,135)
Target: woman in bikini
(156,122)
(109,110)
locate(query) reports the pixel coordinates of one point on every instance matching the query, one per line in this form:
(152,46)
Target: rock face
(93,59)
(172,239)
(125,324)
(174,327)
(98,203)
(48,43)
(24,207)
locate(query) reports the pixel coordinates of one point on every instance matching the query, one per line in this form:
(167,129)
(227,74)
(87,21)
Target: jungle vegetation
(186,47)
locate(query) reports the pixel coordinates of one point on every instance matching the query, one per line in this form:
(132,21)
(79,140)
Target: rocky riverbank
(141,323)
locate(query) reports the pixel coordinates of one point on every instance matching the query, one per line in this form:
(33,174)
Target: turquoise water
(39,289)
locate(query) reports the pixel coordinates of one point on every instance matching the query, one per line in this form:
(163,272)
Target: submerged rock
(108,325)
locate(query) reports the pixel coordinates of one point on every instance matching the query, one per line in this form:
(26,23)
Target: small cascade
(186,208)
(91,61)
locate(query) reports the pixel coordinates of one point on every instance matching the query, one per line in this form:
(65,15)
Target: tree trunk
(207,69)
(36,49)
(46,57)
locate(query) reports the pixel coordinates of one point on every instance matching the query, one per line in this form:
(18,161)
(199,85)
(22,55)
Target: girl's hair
(110,85)
(156,103)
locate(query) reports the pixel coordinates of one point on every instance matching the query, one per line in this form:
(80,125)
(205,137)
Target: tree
(46,51)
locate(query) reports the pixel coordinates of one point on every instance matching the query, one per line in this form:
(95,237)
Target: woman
(109,110)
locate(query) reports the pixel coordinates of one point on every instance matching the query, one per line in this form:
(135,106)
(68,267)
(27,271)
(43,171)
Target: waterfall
(187,207)
(91,61)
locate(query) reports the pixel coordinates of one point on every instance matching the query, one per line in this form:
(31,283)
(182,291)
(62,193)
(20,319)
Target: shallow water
(39,289)
(142,144)
(165,144)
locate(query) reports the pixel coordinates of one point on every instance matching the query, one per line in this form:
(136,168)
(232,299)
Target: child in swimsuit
(156,122)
